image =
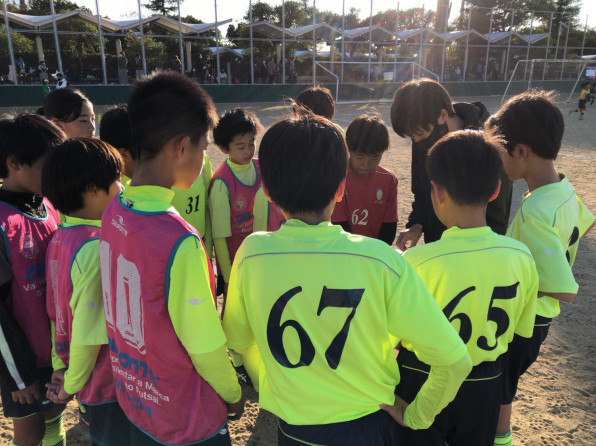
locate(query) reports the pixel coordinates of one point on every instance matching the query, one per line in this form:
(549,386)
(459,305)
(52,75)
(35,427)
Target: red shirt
(368,202)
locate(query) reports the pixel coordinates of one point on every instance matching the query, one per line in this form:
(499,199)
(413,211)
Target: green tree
(163,7)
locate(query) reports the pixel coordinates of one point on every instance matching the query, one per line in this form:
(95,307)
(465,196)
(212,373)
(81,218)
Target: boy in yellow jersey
(114,129)
(584,97)
(314,310)
(485,305)
(550,221)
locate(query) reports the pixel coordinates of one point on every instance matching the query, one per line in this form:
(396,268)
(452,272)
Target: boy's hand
(235,410)
(411,235)
(56,393)
(27,395)
(397,411)
(58,376)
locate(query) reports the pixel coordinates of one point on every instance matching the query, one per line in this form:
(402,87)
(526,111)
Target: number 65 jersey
(486,284)
(322,306)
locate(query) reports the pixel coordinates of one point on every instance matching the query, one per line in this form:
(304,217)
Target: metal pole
(509,45)
(490,30)
(252,61)
(529,43)
(421,41)
(370,40)
(10,50)
(283,40)
(558,39)
(216,41)
(58,55)
(101,50)
(343,38)
(444,43)
(143,56)
(314,43)
(565,49)
(180,39)
(550,29)
(396,31)
(465,70)
(584,38)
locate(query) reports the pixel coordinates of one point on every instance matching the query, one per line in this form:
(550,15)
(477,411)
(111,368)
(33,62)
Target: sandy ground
(555,402)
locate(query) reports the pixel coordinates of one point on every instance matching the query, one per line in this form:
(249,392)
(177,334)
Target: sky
(235,9)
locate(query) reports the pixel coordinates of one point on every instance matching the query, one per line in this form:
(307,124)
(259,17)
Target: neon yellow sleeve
(208,237)
(215,368)
(223,257)
(251,359)
(57,363)
(190,302)
(81,364)
(219,209)
(439,390)
(260,211)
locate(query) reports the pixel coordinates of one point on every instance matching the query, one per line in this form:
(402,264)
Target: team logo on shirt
(120,225)
(30,248)
(379,196)
(240,203)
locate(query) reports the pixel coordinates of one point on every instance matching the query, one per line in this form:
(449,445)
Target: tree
(163,7)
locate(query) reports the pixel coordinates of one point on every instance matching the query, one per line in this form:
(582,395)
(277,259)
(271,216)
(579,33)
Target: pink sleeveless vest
(242,198)
(26,239)
(61,253)
(276,218)
(156,383)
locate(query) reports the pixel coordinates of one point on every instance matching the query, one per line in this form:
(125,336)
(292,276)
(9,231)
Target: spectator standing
(123,68)
(139,71)
(42,68)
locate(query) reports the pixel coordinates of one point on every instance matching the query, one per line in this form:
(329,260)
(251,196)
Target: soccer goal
(562,75)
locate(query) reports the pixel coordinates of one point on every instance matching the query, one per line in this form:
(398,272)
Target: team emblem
(379,194)
(240,203)
(30,248)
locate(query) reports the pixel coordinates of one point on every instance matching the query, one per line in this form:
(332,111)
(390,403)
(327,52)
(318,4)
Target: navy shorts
(377,429)
(220,438)
(470,419)
(18,410)
(522,353)
(108,426)
(582,104)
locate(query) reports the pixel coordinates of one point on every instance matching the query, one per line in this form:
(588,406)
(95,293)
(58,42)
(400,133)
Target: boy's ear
(181,145)
(521,151)
(339,193)
(496,192)
(438,192)
(59,124)
(442,119)
(12,163)
(225,150)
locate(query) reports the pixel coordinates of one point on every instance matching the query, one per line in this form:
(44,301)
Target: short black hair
(417,105)
(64,104)
(585,83)
(533,119)
(318,100)
(77,166)
(166,104)
(468,164)
(27,137)
(303,159)
(237,121)
(367,134)
(114,127)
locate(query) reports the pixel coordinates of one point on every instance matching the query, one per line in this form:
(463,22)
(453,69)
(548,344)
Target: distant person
(114,129)
(45,87)
(43,70)
(584,97)
(139,71)
(20,66)
(61,81)
(70,110)
(123,68)
(176,64)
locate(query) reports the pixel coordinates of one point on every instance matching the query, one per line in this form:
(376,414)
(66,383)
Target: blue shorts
(377,428)
(220,438)
(581,105)
(18,410)
(108,426)
(522,353)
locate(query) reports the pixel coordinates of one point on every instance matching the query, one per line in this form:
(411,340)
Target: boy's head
(418,106)
(318,100)
(235,134)
(167,105)
(530,122)
(82,172)
(465,165)
(70,110)
(303,160)
(367,138)
(115,130)
(585,85)
(25,141)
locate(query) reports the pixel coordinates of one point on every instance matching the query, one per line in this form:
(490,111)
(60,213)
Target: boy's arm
(260,212)
(196,322)
(223,258)
(387,232)
(208,238)
(219,209)
(390,219)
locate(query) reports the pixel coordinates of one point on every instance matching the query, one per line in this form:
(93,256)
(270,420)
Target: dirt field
(555,403)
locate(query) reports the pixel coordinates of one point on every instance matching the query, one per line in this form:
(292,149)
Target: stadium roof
(456,35)
(226,50)
(532,38)
(322,31)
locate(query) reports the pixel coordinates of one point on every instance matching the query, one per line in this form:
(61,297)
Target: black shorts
(220,438)
(108,426)
(470,419)
(522,353)
(377,428)
(18,410)
(582,104)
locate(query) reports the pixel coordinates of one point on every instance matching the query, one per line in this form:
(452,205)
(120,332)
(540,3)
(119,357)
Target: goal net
(562,75)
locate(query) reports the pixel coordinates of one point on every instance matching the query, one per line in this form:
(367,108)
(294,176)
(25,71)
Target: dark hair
(417,105)
(27,137)
(166,104)
(533,119)
(114,127)
(318,100)
(303,158)
(77,166)
(237,121)
(468,164)
(585,83)
(64,104)
(367,134)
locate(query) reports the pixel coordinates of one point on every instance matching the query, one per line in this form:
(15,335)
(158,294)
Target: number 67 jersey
(322,306)
(486,284)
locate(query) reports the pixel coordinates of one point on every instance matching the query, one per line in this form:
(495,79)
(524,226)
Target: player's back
(323,323)
(486,284)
